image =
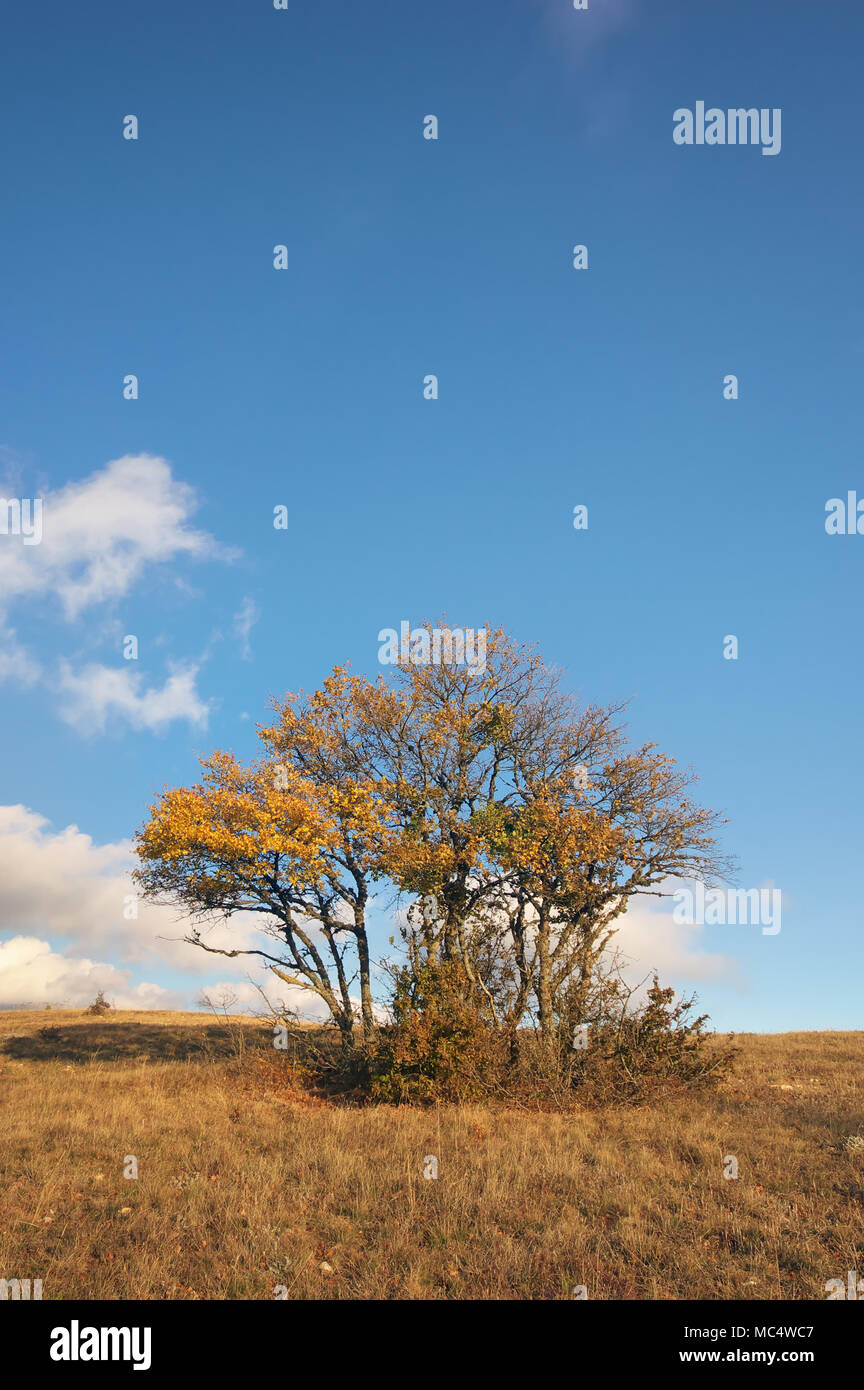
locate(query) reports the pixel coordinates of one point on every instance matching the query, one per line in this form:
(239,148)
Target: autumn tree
(320,740)
(265,839)
(515,824)
(520,823)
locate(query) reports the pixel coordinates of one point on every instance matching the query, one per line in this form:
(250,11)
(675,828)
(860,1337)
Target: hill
(248,1184)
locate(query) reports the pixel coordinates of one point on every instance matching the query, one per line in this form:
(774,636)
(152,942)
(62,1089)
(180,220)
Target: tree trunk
(544,983)
(366,1010)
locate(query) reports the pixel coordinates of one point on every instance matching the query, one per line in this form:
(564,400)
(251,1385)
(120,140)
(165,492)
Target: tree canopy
(513,824)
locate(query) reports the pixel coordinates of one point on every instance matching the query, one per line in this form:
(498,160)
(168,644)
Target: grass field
(246,1183)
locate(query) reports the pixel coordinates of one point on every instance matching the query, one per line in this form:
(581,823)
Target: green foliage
(441,1045)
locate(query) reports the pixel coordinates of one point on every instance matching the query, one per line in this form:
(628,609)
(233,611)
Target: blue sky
(304,387)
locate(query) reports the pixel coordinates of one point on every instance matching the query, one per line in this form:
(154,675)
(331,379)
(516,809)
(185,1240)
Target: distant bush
(99,1006)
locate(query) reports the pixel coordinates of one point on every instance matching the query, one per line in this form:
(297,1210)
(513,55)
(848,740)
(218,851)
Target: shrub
(441,1045)
(656,1047)
(99,1006)
(444,1045)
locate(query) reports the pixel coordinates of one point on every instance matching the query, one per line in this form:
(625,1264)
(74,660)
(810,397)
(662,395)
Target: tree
(260,839)
(521,825)
(515,824)
(320,740)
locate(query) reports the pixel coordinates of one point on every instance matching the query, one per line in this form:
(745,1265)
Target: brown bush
(99,1006)
(444,1046)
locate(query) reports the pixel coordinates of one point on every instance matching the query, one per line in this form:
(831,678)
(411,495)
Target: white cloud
(278,995)
(61,886)
(99,535)
(16,663)
(578,35)
(649,939)
(244,621)
(32,975)
(95,693)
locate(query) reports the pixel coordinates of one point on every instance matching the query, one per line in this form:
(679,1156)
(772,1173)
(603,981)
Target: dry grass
(246,1183)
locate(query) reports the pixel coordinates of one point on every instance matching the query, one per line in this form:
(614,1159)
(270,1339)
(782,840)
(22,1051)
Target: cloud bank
(100,538)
